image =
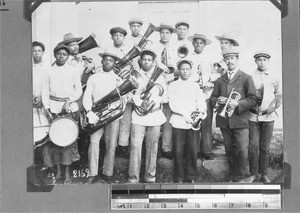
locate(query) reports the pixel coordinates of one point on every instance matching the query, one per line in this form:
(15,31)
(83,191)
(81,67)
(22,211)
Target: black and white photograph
(132,92)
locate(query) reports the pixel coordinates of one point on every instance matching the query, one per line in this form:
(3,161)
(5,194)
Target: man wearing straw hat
(234,127)
(98,86)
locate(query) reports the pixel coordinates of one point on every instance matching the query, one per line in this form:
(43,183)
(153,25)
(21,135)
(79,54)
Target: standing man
(205,76)
(234,128)
(227,41)
(185,97)
(61,90)
(167,55)
(118,35)
(38,71)
(135,25)
(98,86)
(182,28)
(148,124)
(261,122)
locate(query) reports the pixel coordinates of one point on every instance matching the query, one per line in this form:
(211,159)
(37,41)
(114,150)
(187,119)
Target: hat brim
(67,41)
(61,47)
(150,52)
(172,29)
(191,39)
(235,43)
(132,22)
(111,55)
(184,60)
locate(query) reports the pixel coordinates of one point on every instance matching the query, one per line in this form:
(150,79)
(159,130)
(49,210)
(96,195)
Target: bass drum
(63,131)
(41,127)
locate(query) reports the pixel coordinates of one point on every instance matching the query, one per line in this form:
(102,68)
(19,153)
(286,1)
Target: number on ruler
(163,205)
(180,205)
(248,205)
(231,205)
(266,205)
(197,205)
(215,205)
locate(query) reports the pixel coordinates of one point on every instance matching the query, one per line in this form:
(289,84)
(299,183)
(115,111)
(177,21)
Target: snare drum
(63,131)
(41,127)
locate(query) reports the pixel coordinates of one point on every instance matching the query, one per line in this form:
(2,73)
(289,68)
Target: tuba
(230,111)
(148,32)
(87,44)
(112,106)
(182,51)
(148,105)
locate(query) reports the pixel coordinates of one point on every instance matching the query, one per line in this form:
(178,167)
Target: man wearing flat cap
(234,124)
(204,75)
(148,125)
(99,85)
(167,55)
(182,28)
(118,35)
(135,25)
(261,122)
(61,90)
(185,98)
(38,71)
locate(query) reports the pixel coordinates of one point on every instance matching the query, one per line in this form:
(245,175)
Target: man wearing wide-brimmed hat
(234,127)
(185,98)
(166,54)
(99,85)
(61,90)
(182,28)
(261,122)
(203,74)
(146,125)
(227,41)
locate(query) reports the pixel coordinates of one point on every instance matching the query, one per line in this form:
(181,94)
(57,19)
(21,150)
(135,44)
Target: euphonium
(87,44)
(112,106)
(230,98)
(182,51)
(148,32)
(148,105)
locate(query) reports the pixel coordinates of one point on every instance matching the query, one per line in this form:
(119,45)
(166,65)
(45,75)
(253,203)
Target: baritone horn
(88,43)
(182,51)
(232,96)
(143,42)
(112,106)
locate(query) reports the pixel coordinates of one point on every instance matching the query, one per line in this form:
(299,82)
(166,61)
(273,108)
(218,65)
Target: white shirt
(38,72)
(156,118)
(62,82)
(272,88)
(184,98)
(99,85)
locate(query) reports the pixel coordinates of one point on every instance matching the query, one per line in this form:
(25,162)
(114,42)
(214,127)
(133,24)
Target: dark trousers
(182,137)
(260,134)
(236,143)
(205,143)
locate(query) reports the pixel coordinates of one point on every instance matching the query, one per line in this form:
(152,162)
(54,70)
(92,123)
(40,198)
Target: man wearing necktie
(261,122)
(234,128)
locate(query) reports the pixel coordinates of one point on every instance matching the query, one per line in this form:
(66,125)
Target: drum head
(63,131)
(41,127)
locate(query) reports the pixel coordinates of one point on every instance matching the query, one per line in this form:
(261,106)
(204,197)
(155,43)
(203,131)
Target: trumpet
(230,98)
(182,51)
(196,117)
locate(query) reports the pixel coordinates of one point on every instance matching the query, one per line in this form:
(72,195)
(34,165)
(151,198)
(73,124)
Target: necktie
(230,75)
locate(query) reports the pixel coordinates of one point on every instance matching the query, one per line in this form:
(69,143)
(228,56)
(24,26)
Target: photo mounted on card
(157,92)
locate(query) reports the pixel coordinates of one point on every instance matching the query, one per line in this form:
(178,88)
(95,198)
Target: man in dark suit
(235,127)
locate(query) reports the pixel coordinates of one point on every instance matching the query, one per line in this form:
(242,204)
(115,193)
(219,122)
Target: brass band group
(146,90)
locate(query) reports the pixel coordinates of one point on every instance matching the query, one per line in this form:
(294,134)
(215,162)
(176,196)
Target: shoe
(265,179)
(108,179)
(208,156)
(168,155)
(133,180)
(190,181)
(150,179)
(122,151)
(251,178)
(91,180)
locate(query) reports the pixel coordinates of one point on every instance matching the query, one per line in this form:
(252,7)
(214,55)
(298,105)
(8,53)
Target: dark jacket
(244,85)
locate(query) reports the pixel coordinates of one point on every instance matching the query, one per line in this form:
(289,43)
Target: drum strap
(58,99)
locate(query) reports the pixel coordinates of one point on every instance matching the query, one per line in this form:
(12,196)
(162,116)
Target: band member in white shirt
(166,54)
(148,124)
(98,86)
(261,121)
(185,98)
(61,89)
(38,71)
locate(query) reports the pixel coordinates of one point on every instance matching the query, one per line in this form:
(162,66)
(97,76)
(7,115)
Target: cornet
(196,117)
(230,98)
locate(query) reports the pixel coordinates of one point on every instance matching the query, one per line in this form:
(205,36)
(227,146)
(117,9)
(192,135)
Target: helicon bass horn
(112,106)
(231,97)
(182,51)
(148,105)
(148,32)
(87,44)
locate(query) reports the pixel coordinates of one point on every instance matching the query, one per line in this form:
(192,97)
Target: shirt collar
(266,72)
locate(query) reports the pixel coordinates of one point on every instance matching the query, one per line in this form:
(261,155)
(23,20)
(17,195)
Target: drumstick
(38,112)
